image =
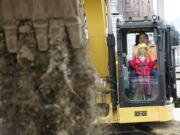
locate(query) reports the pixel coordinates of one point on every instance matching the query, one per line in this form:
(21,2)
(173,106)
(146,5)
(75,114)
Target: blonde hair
(146,54)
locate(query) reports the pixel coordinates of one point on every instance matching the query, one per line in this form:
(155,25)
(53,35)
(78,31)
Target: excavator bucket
(46,79)
(39,12)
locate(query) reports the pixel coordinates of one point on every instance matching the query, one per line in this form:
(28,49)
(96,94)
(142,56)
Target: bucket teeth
(41,36)
(74,24)
(40,12)
(7,12)
(11,41)
(75,31)
(40,18)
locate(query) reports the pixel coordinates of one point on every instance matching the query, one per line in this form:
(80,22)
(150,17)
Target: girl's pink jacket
(142,68)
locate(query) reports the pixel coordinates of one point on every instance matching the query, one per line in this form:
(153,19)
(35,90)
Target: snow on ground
(177,114)
(177,110)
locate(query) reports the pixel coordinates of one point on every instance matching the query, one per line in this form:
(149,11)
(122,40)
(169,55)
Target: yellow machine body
(95,11)
(96,21)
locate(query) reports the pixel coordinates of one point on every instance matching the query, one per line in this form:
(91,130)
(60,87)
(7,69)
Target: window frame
(122,48)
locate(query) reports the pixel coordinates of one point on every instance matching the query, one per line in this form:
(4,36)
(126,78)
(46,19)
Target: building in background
(137,9)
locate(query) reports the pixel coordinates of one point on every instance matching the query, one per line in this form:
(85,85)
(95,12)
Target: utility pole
(136,9)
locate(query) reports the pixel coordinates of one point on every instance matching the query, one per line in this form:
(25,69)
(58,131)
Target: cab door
(171,41)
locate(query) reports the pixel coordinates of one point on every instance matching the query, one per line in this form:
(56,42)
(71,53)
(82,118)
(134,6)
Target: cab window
(140,81)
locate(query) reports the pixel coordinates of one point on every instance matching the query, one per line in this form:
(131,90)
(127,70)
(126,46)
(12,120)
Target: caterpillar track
(127,129)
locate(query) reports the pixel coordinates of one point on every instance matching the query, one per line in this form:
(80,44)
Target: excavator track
(127,129)
(131,133)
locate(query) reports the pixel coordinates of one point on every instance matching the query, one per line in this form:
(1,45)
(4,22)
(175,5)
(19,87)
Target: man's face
(143,39)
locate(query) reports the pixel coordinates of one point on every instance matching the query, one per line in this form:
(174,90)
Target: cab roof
(140,25)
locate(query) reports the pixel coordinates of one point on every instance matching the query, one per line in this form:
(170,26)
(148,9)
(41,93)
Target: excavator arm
(95,12)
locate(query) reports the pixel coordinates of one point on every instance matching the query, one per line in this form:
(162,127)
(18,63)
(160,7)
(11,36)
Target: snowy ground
(177,110)
(177,114)
(178,84)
